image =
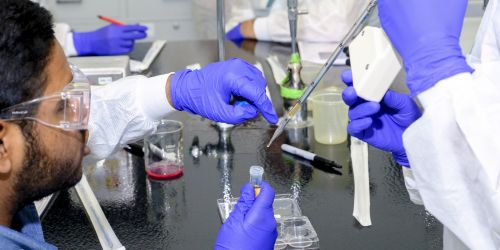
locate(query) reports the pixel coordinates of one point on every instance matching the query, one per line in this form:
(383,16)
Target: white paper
(359,158)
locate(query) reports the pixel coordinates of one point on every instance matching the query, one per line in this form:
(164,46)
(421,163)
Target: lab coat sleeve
(124,111)
(64,36)
(411,186)
(326,21)
(453,151)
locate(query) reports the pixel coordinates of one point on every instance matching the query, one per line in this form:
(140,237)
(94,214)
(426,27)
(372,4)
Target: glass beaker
(329,118)
(163,151)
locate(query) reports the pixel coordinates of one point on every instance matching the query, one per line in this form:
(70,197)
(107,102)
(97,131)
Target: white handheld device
(374,63)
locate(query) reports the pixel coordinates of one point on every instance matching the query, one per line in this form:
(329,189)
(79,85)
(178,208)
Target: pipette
(307,92)
(256,173)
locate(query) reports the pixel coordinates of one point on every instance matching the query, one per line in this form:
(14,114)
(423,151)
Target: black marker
(314,158)
(308,163)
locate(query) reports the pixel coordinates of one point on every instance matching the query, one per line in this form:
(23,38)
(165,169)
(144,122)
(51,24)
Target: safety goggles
(68,109)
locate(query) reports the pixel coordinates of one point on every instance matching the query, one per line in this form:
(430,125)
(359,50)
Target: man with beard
(46,110)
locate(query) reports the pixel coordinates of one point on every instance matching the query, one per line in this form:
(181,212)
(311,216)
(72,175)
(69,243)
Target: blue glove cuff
(401,159)
(235,34)
(83,44)
(179,78)
(438,59)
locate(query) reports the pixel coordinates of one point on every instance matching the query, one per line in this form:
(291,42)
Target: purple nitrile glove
(380,124)
(426,34)
(235,33)
(208,92)
(251,225)
(108,40)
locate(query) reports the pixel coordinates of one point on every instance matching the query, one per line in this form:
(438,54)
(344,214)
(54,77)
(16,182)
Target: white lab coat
(453,147)
(326,21)
(124,111)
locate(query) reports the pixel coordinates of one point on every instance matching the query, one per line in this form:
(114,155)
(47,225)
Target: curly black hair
(26,40)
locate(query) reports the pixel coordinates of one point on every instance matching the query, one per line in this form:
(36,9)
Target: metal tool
(307,92)
(220,30)
(292,86)
(293,79)
(292,19)
(295,66)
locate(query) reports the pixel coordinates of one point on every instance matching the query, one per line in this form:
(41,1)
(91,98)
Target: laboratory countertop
(183,214)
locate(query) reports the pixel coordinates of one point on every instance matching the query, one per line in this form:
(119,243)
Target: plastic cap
(256,173)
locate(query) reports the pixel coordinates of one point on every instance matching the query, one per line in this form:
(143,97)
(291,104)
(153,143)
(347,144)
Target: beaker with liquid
(329,118)
(163,151)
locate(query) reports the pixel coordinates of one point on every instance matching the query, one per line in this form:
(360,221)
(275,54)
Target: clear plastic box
(284,206)
(296,233)
(294,230)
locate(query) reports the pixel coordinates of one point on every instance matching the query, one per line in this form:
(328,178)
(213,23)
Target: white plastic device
(374,62)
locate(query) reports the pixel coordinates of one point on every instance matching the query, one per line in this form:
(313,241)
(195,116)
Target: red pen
(110,20)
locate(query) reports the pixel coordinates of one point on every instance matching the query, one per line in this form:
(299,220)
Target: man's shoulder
(26,232)
(11,239)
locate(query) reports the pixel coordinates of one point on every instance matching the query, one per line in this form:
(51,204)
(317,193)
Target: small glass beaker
(163,151)
(329,118)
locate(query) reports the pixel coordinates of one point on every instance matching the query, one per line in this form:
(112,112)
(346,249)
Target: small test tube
(256,173)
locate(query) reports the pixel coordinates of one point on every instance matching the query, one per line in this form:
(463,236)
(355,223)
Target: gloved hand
(208,92)
(235,33)
(426,34)
(380,124)
(109,40)
(251,225)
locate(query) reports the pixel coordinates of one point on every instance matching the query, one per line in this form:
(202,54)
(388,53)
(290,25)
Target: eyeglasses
(68,109)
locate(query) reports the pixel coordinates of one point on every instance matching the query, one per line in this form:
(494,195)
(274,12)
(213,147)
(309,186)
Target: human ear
(5,158)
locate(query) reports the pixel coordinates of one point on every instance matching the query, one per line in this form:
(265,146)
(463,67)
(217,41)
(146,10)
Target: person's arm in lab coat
(452,148)
(326,21)
(126,110)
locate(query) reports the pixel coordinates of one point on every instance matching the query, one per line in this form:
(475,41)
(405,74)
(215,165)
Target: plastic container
(294,230)
(256,173)
(296,233)
(284,206)
(329,118)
